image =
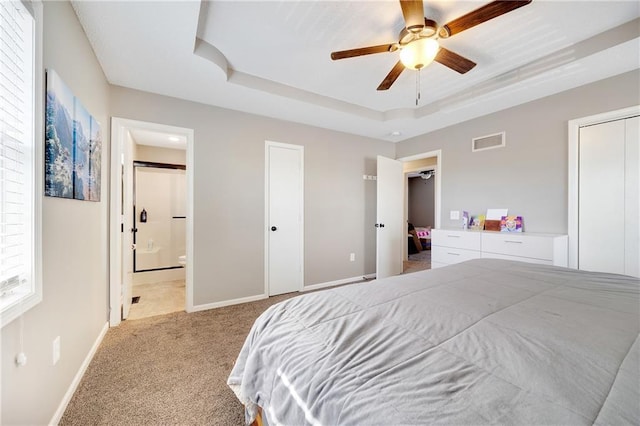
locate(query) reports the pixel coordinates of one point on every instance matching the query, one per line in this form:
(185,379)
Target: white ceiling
(272,58)
(158,139)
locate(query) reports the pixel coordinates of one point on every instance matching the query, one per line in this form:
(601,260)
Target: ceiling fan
(418,41)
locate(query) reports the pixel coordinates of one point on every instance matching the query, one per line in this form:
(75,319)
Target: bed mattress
(483,341)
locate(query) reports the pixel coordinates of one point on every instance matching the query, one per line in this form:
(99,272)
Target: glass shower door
(159,216)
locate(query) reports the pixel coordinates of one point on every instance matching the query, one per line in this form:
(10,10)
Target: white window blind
(17,155)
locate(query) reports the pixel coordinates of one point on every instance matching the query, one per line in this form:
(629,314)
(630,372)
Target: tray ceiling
(272,58)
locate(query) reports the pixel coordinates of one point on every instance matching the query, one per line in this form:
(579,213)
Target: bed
(424,235)
(419,238)
(479,342)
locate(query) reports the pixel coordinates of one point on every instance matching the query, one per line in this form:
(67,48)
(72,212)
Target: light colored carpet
(423,256)
(417,262)
(167,370)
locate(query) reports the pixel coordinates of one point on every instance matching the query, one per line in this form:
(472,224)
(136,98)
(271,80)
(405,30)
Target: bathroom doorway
(160,157)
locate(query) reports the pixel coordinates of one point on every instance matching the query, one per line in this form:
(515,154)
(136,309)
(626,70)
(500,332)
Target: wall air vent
(496,140)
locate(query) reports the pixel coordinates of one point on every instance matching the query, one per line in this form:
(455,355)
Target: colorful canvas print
(511,224)
(73,144)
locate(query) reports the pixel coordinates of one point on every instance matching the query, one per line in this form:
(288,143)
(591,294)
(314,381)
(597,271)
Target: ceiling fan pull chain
(417,87)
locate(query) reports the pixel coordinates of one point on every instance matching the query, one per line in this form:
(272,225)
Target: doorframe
(574,170)
(119,127)
(438,185)
(267,196)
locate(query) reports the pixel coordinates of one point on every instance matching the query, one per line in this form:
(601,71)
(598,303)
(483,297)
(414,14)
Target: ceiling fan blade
(413,12)
(392,76)
(454,61)
(478,16)
(361,51)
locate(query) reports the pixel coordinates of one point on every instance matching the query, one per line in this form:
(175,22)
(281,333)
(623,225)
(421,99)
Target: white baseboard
(214,305)
(338,282)
(224,303)
(76,380)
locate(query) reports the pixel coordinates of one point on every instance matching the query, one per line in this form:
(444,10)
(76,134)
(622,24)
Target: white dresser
(450,246)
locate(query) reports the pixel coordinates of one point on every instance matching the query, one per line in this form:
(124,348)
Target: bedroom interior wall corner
(529,175)
(229,194)
(57,416)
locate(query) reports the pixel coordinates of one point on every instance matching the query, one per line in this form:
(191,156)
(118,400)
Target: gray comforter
(484,341)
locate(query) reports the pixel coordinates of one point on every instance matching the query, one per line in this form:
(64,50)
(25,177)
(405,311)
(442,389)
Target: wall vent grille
(496,140)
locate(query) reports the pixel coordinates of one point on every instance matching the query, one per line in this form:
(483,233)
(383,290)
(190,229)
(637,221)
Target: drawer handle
(513,242)
(453,236)
(454,254)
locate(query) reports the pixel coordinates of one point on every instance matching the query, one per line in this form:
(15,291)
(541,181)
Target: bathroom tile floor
(157,299)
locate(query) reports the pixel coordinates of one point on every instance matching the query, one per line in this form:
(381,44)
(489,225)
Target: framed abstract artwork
(73,145)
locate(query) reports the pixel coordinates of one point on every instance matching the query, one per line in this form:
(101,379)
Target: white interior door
(601,224)
(284,252)
(127,226)
(391,232)
(632,197)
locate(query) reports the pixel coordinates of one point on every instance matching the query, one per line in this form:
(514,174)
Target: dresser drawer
(468,240)
(486,255)
(450,255)
(518,245)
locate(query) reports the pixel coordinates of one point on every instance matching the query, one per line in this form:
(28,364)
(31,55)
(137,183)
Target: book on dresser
(449,246)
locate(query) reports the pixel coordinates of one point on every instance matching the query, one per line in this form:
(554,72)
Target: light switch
(454,215)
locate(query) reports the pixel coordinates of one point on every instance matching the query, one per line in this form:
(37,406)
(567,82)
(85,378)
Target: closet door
(601,227)
(632,197)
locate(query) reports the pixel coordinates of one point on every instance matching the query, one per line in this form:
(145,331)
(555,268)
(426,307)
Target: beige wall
(74,239)
(155,154)
(529,175)
(229,152)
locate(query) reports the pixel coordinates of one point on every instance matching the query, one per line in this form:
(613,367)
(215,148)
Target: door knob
(274,228)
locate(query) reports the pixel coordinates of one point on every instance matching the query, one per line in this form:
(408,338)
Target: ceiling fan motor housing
(416,41)
(407,35)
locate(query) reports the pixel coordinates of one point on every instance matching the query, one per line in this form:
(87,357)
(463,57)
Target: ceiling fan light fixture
(419,53)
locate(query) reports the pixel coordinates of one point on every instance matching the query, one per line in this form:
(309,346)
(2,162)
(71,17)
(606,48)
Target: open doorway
(151,220)
(421,179)
(392,207)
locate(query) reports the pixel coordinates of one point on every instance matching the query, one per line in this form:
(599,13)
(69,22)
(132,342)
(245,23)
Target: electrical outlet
(454,215)
(56,350)
(21,359)
(352,257)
